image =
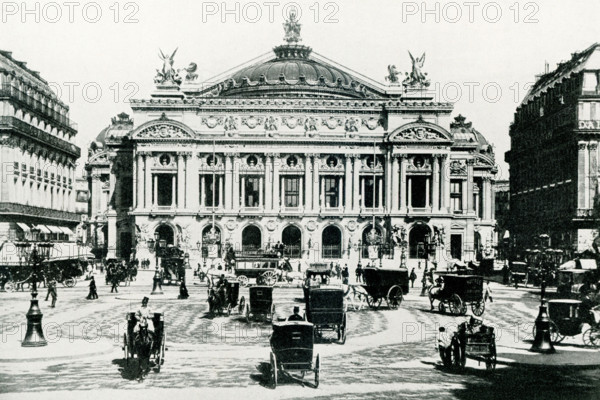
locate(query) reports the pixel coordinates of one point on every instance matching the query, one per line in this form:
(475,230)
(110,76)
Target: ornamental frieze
(252,122)
(292,122)
(352,124)
(332,122)
(458,167)
(211,121)
(272,124)
(230,123)
(371,123)
(310,124)
(419,133)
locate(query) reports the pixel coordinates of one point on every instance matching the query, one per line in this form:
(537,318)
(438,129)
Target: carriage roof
(292,334)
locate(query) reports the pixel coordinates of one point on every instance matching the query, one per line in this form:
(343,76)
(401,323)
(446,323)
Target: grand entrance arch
(251,239)
(291,237)
(165,232)
(332,242)
(417,241)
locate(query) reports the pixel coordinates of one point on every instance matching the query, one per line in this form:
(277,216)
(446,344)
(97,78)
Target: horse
(143,344)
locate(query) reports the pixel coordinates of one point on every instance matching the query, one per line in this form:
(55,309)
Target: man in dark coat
(52,288)
(296,315)
(93,291)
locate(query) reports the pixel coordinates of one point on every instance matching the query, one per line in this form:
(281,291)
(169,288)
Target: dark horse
(143,345)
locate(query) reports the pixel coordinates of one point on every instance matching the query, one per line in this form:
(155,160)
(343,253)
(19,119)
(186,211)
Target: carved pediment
(420,131)
(163,129)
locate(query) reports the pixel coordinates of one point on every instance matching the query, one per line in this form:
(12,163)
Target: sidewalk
(61,349)
(566,356)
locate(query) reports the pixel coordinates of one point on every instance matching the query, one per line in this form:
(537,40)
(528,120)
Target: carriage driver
(439,286)
(143,315)
(296,315)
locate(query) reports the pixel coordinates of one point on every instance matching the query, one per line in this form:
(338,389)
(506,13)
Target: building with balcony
(297,149)
(38,157)
(554,156)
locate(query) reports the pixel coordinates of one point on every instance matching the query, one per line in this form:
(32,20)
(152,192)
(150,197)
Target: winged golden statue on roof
(417,77)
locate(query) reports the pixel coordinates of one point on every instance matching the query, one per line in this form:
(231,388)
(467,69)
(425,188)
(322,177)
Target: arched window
(165,232)
(332,242)
(291,237)
(417,241)
(251,239)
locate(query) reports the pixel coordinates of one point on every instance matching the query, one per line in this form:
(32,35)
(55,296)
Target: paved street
(388,354)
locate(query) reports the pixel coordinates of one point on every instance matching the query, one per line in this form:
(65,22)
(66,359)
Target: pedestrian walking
(424,281)
(183,292)
(49,290)
(93,295)
(488,292)
(359,272)
(345,275)
(413,278)
(115,284)
(53,294)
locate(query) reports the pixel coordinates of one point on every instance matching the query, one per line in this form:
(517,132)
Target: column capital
(184,153)
(582,146)
(593,145)
(470,161)
(231,154)
(311,155)
(401,156)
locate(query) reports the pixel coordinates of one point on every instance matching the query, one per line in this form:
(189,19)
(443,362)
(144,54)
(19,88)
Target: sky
(480,55)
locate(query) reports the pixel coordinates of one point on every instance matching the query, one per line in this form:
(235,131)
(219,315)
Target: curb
(108,348)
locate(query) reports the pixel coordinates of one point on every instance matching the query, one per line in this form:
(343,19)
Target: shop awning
(54,229)
(24,227)
(66,231)
(43,229)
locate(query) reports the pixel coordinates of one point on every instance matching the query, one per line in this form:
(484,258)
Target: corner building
(297,149)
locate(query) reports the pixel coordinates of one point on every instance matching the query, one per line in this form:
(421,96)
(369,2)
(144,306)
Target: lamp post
(542,342)
(34,337)
(157,279)
(403,245)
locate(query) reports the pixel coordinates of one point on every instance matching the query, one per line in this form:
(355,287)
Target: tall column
(282,184)
(148,180)
(380,179)
(470,164)
(436,183)
(235,198)
(173,190)
(388,182)
(346,202)
(307,183)
(403,184)
(220,178)
(260,192)
(394,191)
(192,187)
(340,192)
(484,194)
(355,182)
(301,194)
(228,189)
(181,183)
(275,194)
(155,197)
(243,189)
(202,191)
(465,196)
(322,191)
(492,198)
(445,178)
(593,174)
(268,182)
(140,181)
(409,192)
(362,193)
(134,175)
(111,191)
(315,183)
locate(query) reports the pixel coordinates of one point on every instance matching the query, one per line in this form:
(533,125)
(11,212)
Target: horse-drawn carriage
(473,340)
(292,351)
(144,345)
(568,318)
(65,270)
(385,283)
(116,271)
(456,292)
(519,273)
(325,308)
(263,268)
(226,298)
(260,303)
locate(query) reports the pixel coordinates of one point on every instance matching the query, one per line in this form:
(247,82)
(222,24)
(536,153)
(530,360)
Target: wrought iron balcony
(44,138)
(39,212)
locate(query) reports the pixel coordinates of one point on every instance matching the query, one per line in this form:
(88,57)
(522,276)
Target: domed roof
(120,126)
(293,71)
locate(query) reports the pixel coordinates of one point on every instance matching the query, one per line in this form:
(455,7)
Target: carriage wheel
(242,305)
(374,302)
(273,370)
(243,280)
(247,313)
(478,307)
(125,349)
(591,337)
(455,304)
(317,369)
(269,278)
(458,359)
(394,297)
(9,286)
(69,282)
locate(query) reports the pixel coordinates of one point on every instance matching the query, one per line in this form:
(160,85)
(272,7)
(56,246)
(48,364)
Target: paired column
(202,191)
(469,183)
(394,192)
(445,176)
(404,192)
(381,182)
(315,185)
(243,188)
(235,197)
(228,180)
(192,187)
(140,181)
(179,181)
(593,174)
(268,182)
(220,179)
(356,182)
(275,194)
(148,180)
(347,201)
(436,183)
(307,182)
(155,197)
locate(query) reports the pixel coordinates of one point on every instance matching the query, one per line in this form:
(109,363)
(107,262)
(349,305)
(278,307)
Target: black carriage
(570,281)
(316,274)
(325,308)
(568,318)
(172,263)
(456,292)
(116,271)
(260,303)
(519,273)
(226,298)
(66,271)
(7,283)
(292,346)
(475,341)
(385,283)
(264,269)
(157,351)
